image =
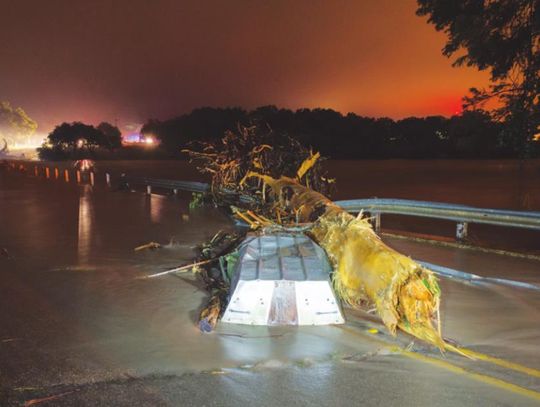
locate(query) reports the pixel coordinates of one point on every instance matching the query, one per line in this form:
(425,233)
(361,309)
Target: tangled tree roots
(256,149)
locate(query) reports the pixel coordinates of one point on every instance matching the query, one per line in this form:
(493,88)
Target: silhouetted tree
(151,127)
(422,137)
(113,136)
(15,124)
(201,124)
(72,140)
(474,135)
(504,37)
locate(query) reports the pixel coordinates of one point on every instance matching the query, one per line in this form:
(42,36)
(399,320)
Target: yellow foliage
(307,164)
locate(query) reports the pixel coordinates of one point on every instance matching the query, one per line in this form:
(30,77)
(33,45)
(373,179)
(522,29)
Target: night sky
(125,61)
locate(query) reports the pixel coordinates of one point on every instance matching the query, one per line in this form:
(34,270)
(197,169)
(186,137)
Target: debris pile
(272,183)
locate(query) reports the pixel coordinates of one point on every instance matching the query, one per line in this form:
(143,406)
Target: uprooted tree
(273,183)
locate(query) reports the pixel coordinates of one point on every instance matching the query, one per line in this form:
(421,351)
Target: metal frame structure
(282,279)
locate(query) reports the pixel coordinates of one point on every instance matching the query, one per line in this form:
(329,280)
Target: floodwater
(501,184)
(79,324)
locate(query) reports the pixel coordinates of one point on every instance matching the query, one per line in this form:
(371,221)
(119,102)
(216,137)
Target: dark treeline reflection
(473,134)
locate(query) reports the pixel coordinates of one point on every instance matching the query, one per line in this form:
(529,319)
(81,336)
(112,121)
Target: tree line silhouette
(472,134)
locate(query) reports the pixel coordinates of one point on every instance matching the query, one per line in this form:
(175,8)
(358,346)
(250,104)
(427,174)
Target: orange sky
(127,61)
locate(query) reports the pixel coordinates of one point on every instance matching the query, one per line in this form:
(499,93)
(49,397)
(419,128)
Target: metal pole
(462,231)
(92,178)
(377,222)
(78,177)
(108,179)
(149,189)
(66,175)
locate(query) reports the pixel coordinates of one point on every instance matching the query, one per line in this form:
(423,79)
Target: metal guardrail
(461,214)
(175,186)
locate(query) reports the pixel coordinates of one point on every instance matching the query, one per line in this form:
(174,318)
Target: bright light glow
(84,165)
(31,143)
(141,139)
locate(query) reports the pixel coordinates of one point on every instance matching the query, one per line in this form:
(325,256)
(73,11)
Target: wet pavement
(80,326)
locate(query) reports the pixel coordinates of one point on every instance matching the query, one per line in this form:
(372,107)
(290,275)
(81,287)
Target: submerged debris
(221,254)
(148,246)
(33,402)
(194,267)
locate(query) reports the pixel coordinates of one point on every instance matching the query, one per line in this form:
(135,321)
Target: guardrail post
(66,175)
(175,191)
(377,222)
(35,171)
(47,172)
(108,179)
(375,219)
(92,178)
(78,177)
(149,189)
(56,173)
(462,231)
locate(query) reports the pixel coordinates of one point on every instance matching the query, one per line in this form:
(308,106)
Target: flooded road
(79,324)
(500,184)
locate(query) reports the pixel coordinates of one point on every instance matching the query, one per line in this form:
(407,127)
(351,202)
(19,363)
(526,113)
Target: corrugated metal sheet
(282,279)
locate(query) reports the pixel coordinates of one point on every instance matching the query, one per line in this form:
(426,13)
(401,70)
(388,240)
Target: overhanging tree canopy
(502,36)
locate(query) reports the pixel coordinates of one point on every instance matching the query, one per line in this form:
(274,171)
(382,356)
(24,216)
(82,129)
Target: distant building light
(132,138)
(140,139)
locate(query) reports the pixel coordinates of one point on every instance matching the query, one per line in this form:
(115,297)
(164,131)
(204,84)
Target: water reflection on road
(85,221)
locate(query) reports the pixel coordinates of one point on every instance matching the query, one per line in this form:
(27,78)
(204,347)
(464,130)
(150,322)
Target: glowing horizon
(371,58)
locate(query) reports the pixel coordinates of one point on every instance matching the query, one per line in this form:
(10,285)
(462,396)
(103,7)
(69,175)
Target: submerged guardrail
(172,185)
(461,214)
